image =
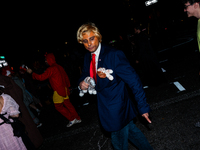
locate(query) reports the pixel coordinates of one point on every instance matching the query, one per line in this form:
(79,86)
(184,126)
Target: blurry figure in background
(29,84)
(60,84)
(132,53)
(72,66)
(9,108)
(152,74)
(192,7)
(115,108)
(72,61)
(12,89)
(27,99)
(44,90)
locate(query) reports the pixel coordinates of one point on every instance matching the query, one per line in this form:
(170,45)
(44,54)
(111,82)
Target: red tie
(93,68)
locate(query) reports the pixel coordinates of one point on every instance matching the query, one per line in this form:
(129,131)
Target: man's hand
(29,70)
(83,85)
(146,116)
(101,74)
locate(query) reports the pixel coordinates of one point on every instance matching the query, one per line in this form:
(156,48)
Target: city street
(152,34)
(172,128)
(175,110)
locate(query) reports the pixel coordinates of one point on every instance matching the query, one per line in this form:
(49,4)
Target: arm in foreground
(125,71)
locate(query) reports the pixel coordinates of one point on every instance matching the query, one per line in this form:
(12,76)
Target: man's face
(189,9)
(90,41)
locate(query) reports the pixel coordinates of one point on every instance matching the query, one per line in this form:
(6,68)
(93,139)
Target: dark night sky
(31,26)
(43,23)
(39,25)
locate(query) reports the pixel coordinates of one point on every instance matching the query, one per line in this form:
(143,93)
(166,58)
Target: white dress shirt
(97,52)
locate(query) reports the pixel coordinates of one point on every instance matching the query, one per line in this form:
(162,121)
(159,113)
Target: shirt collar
(98,50)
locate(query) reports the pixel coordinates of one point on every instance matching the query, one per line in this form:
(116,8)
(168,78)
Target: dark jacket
(115,107)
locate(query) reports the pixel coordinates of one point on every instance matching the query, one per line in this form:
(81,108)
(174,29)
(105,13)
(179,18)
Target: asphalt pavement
(175,110)
(172,127)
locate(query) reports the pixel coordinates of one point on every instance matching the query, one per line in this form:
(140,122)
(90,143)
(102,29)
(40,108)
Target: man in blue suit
(116,110)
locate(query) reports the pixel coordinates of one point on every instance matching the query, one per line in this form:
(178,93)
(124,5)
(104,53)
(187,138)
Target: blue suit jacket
(115,107)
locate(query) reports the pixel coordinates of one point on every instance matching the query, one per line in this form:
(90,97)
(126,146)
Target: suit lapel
(101,59)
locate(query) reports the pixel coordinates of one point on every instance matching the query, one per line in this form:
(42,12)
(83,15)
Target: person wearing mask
(115,108)
(60,84)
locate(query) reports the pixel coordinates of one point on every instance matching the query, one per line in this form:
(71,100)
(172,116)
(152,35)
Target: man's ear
(196,5)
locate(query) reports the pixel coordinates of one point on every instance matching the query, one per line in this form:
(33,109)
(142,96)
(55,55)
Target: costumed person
(60,84)
(116,109)
(27,98)
(30,85)
(34,139)
(9,109)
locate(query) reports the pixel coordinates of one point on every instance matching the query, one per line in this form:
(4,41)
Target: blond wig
(87,28)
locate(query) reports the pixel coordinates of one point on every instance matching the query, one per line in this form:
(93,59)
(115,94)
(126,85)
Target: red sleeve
(67,81)
(43,76)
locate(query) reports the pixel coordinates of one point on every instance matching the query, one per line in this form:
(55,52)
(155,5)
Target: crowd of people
(26,90)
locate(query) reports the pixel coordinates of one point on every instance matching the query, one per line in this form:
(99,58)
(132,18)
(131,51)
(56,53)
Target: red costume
(56,75)
(60,83)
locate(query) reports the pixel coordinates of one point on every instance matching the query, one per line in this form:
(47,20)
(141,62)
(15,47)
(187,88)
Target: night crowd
(37,92)
(58,79)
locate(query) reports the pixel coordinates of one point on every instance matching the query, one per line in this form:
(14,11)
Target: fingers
(101,74)
(83,85)
(146,116)
(29,70)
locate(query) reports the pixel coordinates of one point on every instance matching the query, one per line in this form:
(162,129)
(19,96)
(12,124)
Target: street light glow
(5,64)
(150,2)
(2,61)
